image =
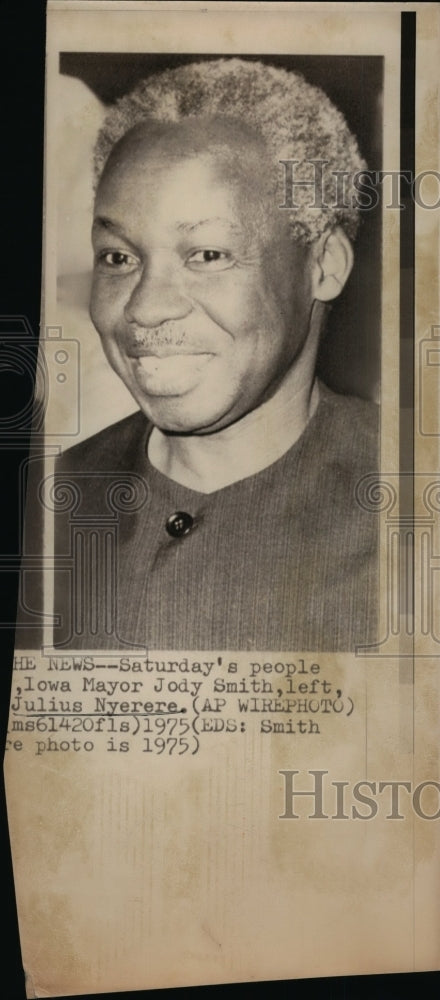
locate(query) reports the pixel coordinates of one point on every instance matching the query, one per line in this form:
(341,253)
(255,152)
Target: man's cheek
(106,304)
(99,310)
(234,309)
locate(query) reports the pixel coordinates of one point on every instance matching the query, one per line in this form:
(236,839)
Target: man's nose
(155,299)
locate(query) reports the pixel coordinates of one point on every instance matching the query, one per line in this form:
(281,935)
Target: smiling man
(209,296)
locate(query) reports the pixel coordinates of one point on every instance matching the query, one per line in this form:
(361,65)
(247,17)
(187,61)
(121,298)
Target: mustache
(167,338)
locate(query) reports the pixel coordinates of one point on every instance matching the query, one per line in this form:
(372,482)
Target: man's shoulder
(114,447)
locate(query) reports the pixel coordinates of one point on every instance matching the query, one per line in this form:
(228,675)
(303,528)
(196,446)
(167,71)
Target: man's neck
(209,462)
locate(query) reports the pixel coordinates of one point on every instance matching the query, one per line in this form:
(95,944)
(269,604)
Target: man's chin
(180,406)
(184,415)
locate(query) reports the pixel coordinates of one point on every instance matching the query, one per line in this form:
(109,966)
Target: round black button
(179,524)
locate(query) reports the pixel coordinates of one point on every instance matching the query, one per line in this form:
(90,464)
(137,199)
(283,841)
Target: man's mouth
(166,351)
(172,372)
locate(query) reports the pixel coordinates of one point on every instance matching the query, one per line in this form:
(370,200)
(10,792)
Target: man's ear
(333,261)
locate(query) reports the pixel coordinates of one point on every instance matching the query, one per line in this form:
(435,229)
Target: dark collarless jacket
(283,560)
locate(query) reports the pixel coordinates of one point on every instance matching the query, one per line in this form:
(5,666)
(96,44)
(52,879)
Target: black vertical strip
(407,316)
(407,258)
(407,362)
(22,45)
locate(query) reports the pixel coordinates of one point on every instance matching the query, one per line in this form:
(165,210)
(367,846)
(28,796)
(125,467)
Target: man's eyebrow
(105,223)
(188,227)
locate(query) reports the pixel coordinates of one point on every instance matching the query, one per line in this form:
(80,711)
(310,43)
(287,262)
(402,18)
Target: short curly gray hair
(296,120)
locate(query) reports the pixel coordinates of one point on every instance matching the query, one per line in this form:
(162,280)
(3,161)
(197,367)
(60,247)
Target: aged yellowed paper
(222,761)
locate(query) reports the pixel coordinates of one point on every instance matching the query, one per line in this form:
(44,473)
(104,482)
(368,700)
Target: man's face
(201,299)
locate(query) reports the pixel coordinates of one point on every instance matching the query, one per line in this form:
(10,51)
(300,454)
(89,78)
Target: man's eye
(116,259)
(212,260)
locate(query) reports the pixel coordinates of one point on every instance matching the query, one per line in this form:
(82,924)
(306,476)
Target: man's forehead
(180,180)
(233,153)
(203,175)
(196,134)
